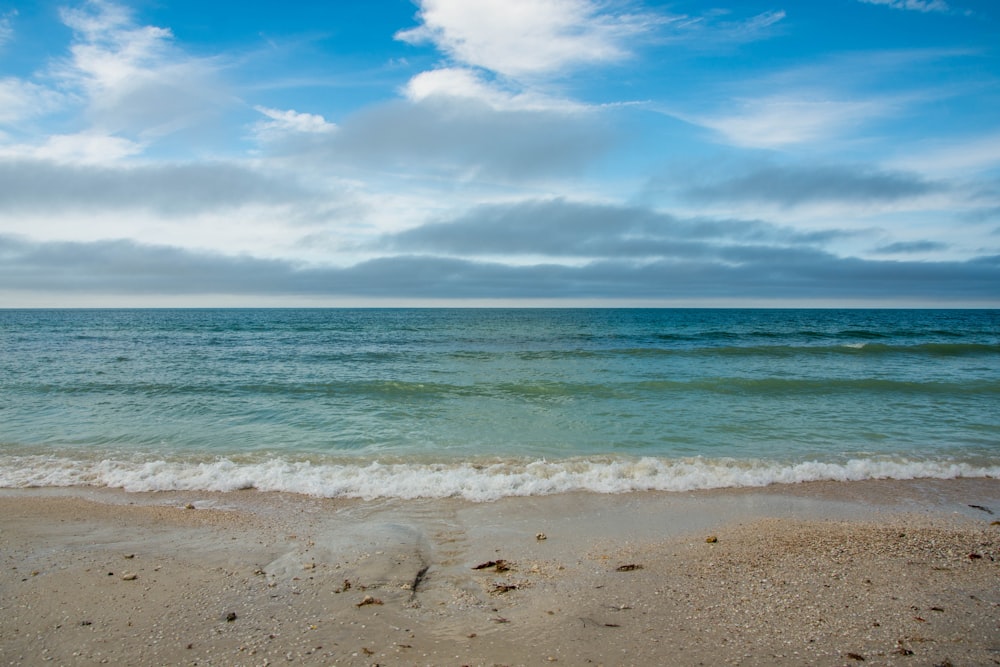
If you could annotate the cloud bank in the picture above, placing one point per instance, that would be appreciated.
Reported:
(576, 251)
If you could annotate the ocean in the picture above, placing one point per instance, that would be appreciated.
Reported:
(487, 403)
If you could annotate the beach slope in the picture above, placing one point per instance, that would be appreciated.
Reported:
(881, 572)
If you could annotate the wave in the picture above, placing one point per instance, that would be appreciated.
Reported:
(770, 387)
(852, 348)
(409, 391)
(474, 481)
(855, 348)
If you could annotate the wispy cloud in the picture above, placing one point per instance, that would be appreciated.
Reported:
(86, 147)
(913, 5)
(7, 26)
(762, 21)
(715, 29)
(977, 153)
(23, 100)
(824, 102)
(787, 120)
(121, 88)
(133, 78)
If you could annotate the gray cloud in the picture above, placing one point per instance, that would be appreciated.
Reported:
(788, 186)
(460, 136)
(904, 247)
(563, 228)
(760, 272)
(983, 214)
(183, 189)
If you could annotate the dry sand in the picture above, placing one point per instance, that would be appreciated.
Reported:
(869, 573)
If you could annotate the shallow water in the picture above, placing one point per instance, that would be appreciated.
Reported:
(488, 403)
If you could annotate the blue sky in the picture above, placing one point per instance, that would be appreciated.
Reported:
(500, 152)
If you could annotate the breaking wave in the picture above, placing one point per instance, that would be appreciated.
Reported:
(475, 481)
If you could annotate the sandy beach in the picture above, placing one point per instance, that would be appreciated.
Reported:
(874, 573)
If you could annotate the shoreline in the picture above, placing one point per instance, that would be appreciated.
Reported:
(815, 573)
(476, 479)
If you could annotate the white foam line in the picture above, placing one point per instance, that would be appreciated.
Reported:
(477, 482)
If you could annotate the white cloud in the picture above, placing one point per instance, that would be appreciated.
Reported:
(781, 121)
(282, 123)
(964, 155)
(109, 49)
(21, 99)
(82, 148)
(763, 21)
(124, 86)
(7, 27)
(914, 5)
(456, 82)
(133, 77)
(713, 28)
(519, 38)
(504, 53)
(500, 50)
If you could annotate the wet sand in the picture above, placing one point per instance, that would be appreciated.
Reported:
(881, 572)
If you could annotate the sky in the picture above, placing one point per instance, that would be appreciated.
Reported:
(500, 152)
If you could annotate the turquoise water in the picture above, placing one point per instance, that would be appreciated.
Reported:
(486, 403)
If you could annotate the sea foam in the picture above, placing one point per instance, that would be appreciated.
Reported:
(475, 481)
